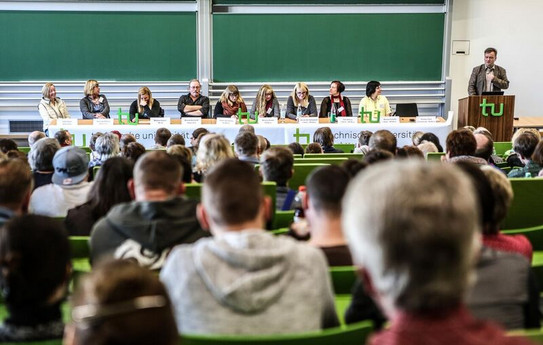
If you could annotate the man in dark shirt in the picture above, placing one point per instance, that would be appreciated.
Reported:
(15, 188)
(193, 103)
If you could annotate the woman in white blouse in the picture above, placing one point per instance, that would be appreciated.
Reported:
(51, 107)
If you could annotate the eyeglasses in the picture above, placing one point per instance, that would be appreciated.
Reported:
(194, 87)
(97, 85)
(269, 94)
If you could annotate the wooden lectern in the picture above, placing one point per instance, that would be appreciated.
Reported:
(495, 113)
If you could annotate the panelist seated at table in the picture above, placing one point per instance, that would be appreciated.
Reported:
(51, 107)
(146, 106)
(336, 102)
(266, 103)
(374, 101)
(194, 103)
(300, 100)
(229, 103)
(488, 76)
(94, 105)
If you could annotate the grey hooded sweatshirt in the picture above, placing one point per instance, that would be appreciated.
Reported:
(249, 282)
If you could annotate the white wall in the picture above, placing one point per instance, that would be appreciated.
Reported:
(515, 29)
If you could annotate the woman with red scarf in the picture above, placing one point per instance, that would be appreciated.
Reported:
(341, 104)
(229, 103)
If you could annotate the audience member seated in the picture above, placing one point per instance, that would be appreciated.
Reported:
(175, 139)
(266, 103)
(314, 148)
(325, 189)
(511, 302)
(460, 147)
(193, 103)
(409, 152)
(353, 166)
(41, 161)
(341, 105)
(246, 146)
(362, 146)
(420, 288)
(145, 106)
(263, 144)
(35, 136)
(184, 157)
(374, 101)
(502, 196)
(35, 261)
(301, 100)
(162, 136)
(121, 303)
(246, 128)
(426, 147)
(230, 103)
(245, 280)
(325, 138)
(70, 187)
(431, 137)
(296, 148)
(106, 146)
(124, 141)
(51, 107)
(64, 138)
(376, 155)
(94, 105)
(7, 145)
(194, 139)
(537, 156)
(524, 145)
(15, 188)
(485, 147)
(276, 165)
(146, 229)
(211, 149)
(383, 140)
(134, 151)
(109, 189)
(92, 141)
(416, 138)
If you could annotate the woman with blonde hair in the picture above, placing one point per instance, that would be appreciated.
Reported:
(266, 103)
(301, 100)
(229, 103)
(211, 149)
(51, 107)
(94, 105)
(146, 106)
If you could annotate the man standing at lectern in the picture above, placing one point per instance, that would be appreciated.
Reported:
(488, 76)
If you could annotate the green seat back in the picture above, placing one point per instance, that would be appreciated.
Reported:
(535, 335)
(343, 278)
(80, 248)
(95, 170)
(301, 171)
(347, 148)
(537, 268)
(25, 149)
(282, 219)
(327, 160)
(281, 231)
(359, 156)
(502, 146)
(525, 210)
(434, 156)
(349, 335)
(534, 234)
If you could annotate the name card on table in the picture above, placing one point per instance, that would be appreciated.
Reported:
(160, 121)
(221, 121)
(267, 120)
(67, 122)
(102, 122)
(191, 121)
(346, 120)
(390, 119)
(426, 119)
(308, 120)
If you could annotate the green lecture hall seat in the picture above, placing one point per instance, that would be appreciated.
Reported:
(434, 156)
(301, 171)
(526, 205)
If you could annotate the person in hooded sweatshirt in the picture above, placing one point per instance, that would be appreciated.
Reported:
(244, 280)
(157, 219)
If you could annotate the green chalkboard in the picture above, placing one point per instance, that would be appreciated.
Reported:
(97, 45)
(309, 47)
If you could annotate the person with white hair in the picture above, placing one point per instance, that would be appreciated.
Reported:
(417, 246)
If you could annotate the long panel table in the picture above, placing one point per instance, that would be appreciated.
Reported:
(282, 133)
